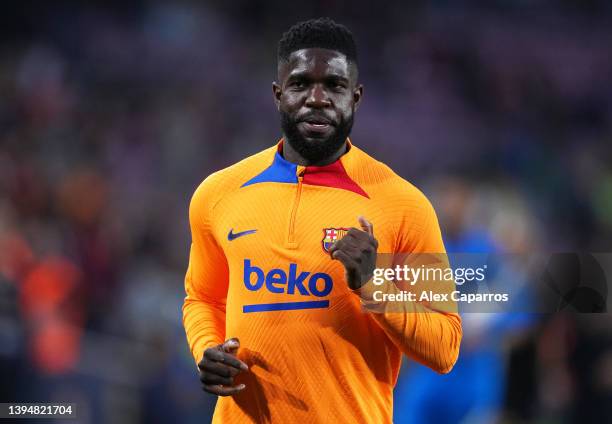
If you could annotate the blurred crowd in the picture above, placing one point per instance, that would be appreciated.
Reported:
(111, 115)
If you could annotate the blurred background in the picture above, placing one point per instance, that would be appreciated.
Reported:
(111, 114)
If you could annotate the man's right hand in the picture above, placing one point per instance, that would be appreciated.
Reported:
(218, 368)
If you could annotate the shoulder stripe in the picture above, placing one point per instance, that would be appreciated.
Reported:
(333, 175)
(280, 171)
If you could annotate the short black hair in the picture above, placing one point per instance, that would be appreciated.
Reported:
(321, 33)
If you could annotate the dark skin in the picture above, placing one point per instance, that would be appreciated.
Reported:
(313, 82)
(317, 81)
(218, 368)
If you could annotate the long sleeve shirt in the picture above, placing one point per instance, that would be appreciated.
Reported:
(259, 270)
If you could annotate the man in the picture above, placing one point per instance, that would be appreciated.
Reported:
(285, 242)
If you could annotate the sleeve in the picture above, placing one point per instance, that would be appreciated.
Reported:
(429, 333)
(206, 280)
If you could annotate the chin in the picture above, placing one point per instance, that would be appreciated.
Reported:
(317, 139)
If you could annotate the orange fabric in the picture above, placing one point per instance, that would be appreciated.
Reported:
(328, 364)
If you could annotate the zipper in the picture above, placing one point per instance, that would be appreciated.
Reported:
(291, 241)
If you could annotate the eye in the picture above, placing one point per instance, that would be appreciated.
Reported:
(297, 85)
(337, 85)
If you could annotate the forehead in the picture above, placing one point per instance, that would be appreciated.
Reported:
(316, 61)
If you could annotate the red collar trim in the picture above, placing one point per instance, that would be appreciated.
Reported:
(332, 175)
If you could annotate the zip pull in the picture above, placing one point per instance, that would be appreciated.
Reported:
(300, 171)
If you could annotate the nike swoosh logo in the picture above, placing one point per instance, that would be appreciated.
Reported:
(231, 235)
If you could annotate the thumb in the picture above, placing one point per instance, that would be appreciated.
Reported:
(366, 225)
(231, 345)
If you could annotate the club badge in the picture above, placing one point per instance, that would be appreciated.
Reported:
(331, 235)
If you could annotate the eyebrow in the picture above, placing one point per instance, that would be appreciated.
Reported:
(304, 75)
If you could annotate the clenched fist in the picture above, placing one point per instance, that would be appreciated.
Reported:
(218, 368)
(357, 252)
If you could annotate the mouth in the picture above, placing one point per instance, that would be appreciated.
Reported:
(316, 126)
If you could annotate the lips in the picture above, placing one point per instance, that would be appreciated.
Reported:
(316, 120)
(315, 125)
(315, 129)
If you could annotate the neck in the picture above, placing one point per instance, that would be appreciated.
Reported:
(292, 155)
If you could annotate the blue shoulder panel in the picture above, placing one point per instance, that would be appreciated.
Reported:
(281, 171)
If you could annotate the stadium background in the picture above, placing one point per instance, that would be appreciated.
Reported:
(111, 114)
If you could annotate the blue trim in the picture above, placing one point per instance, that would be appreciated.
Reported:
(281, 171)
(286, 306)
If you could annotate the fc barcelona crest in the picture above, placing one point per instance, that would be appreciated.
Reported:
(331, 235)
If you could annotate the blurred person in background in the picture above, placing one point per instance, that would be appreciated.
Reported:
(479, 227)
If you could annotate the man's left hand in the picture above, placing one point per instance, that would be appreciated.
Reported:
(357, 252)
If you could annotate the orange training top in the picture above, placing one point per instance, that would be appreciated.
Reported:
(259, 271)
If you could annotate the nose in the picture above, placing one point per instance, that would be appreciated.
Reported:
(317, 97)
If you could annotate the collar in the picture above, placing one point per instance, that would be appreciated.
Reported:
(334, 175)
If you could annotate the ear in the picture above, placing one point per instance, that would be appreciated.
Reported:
(357, 95)
(278, 92)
